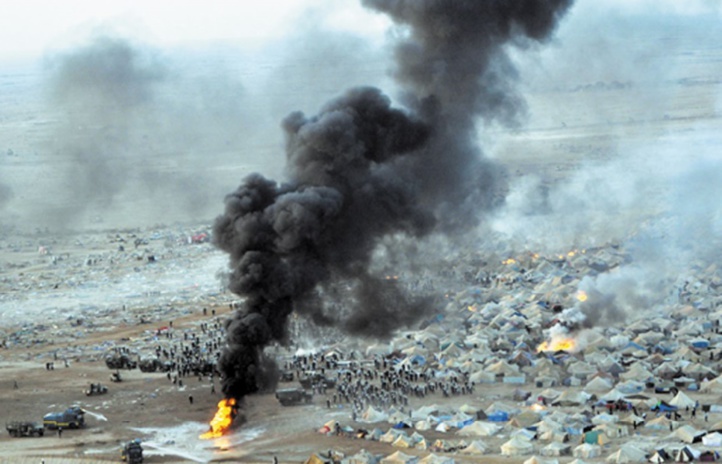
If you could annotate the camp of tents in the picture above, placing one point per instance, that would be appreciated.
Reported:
(627, 393)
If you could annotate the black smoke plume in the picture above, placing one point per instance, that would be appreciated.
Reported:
(362, 170)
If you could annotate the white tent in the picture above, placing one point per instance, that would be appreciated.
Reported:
(399, 458)
(713, 439)
(538, 460)
(712, 386)
(403, 441)
(612, 395)
(423, 425)
(516, 446)
(687, 454)
(627, 453)
(362, 457)
(587, 451)
(482, 377)
(571, 398)
(660, 423)
(686, 433)
(442, 427)
(425, 411)
(598, 384)
(681, 400)
(604, 418)
(479, 429)
(474, 448)
(372, 415)
(436, 459)
(556, 449)
(391, 435)
(613, 430)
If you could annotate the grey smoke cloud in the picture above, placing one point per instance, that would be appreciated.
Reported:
(138, 134)
(6, 194)
(640, 114)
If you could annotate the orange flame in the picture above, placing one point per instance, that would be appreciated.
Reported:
(221, 422)
(582, 296)
(557, 344)
(509, 261)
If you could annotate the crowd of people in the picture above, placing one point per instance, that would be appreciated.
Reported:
(380, 382)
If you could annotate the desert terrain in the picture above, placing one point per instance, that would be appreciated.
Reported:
(130, 276)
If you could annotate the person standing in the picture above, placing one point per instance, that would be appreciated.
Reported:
(60, 432)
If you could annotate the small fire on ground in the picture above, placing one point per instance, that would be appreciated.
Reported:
(557, 344)
(223, 419)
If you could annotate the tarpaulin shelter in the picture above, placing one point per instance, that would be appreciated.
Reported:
(498, 416)
(595, 437)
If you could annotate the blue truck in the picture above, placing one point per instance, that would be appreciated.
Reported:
(71, 418)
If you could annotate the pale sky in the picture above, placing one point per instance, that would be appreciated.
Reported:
(33, 27)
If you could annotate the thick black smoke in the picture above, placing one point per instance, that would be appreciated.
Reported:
(362, 170)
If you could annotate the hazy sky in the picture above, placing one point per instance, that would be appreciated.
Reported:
(32, 27)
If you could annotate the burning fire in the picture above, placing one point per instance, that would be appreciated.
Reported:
(509, 261)
(557, 344)
(223, 419)
(582, 295)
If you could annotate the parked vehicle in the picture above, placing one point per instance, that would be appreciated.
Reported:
(120, 361)
(291, 396)
(71, 418)
(95, 389)
(25, 429)
(132, 452)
